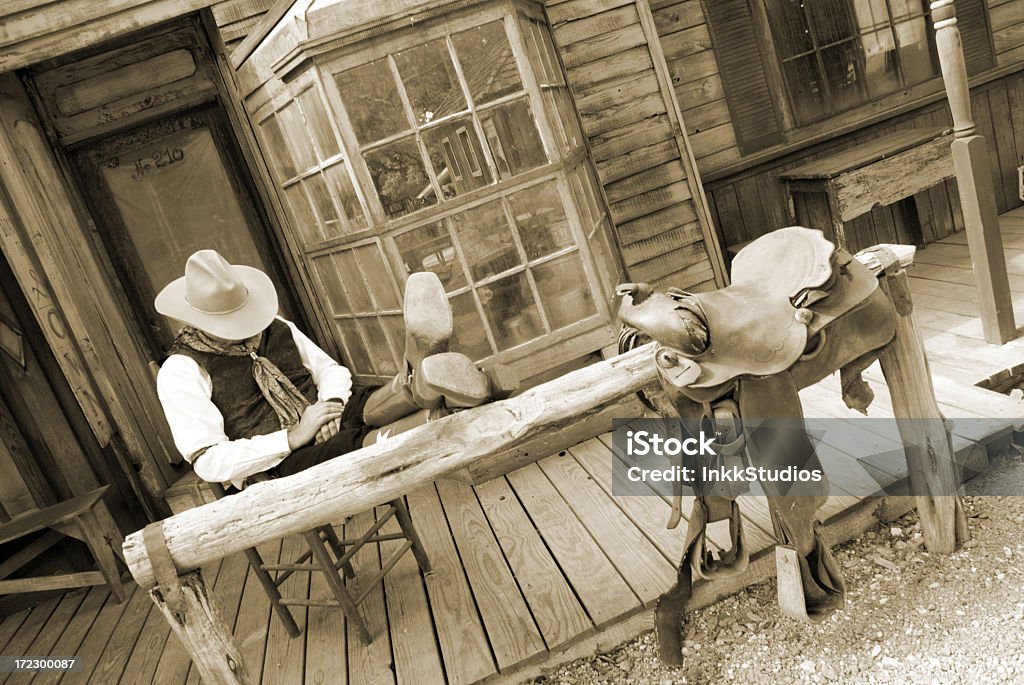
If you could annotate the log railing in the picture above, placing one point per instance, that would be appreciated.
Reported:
(164, 556)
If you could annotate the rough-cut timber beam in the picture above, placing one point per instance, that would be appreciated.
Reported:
(387, 470)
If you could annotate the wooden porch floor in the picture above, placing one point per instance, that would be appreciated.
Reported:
(533, 568)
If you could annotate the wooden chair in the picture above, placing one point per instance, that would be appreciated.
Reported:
(329, 555)
(74, 518)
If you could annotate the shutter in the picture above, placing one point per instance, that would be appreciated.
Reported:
(741, 66)
(975, 34)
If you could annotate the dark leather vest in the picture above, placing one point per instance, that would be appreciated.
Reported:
(235, 392)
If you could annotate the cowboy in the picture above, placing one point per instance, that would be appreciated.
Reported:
(246, 392)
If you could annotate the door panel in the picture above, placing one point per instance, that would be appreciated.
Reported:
(162, 191)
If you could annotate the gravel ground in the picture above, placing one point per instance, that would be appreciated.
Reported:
(910, 616)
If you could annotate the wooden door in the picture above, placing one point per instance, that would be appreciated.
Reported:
(160, 192)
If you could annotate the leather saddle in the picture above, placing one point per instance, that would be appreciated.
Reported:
(787, 286)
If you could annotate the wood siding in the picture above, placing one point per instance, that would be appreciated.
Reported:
(629, 122)
(750, 204)
(235, 19)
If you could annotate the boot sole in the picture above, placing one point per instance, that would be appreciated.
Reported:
(428, 317)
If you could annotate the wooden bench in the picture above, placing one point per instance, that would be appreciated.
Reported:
(74, 518)
(832, 190)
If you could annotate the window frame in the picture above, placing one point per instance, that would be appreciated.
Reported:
(778, 62)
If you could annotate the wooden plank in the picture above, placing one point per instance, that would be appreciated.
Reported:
(628, 138)
(98, 636)
(1006, 15)
(464, 646)
(368, 663)
(699, 92)
(693, 255)
(114, 657)
(693, 67)
(677, 16)
(71, 639)
(634, 162)
(648, 511)
(285, 656)
(561, 12)
(679, 216)
(596, 24)
(511, 630)
(413, 641)
(713, 140)
(636, 108)
(1006, 152)
(29, 630)
(615, 94)
(686, 42)
(554, 606)
(252, 624)
(44, 641)
(228, 11)
(610, 68)
(601, 589)
(705, 116)
(62, 581)
(645, 181)
(326, 646)
(9, 626)
(672, 239)
(650, 201)
(595, 47)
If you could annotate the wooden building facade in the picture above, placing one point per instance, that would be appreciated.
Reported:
(531, 153)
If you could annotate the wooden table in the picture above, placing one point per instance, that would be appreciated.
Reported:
(837, 188)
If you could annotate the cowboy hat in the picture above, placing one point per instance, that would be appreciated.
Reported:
(228, 301)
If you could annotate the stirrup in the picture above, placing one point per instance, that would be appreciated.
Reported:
(731, 561)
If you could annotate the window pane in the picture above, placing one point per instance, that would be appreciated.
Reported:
(842, 71)
(486, 240)
(377, 347)
(469, 335)
(429, 248)
(372, 102)
(540, 216)
(511, 312)
(316, 119)
(512, 136)
(560, 107)
(564, 290)
(302, 213)
(805, 88)
(905, 8)
(358, 297)
(487, 62)
(375, 273)
(832, 20)
(330, 276)
(880, 63)
(298, 137)
(430, 81)
(340, 180)
(789, 26)
(357, 361)
(394, 328)
(281, 158)
(918, 61)
(316, 188)
(458, 159)
(402, 182)
(538, 38)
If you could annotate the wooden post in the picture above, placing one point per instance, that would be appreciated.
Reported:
(186, 606)
(930, 461)
(975, 183)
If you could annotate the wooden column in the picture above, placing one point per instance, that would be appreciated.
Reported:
(930, 462)
(975, 183)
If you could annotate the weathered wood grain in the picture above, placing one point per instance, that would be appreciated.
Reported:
(554, 606)
(367, 663)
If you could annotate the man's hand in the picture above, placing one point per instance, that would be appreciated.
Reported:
(328, 430)
(315, 417)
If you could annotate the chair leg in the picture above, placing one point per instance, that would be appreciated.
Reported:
(337, 587)
(256, 562)
(339, 550)
(405, 521)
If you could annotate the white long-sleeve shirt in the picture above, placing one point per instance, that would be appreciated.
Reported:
(185, 391)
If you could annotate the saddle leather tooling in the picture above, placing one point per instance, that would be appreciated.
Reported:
(797, 310)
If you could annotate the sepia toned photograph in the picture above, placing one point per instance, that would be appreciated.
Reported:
(499, 342)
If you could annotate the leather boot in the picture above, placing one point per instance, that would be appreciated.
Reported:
(449, 378)
(428, 330)
(403, 424)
